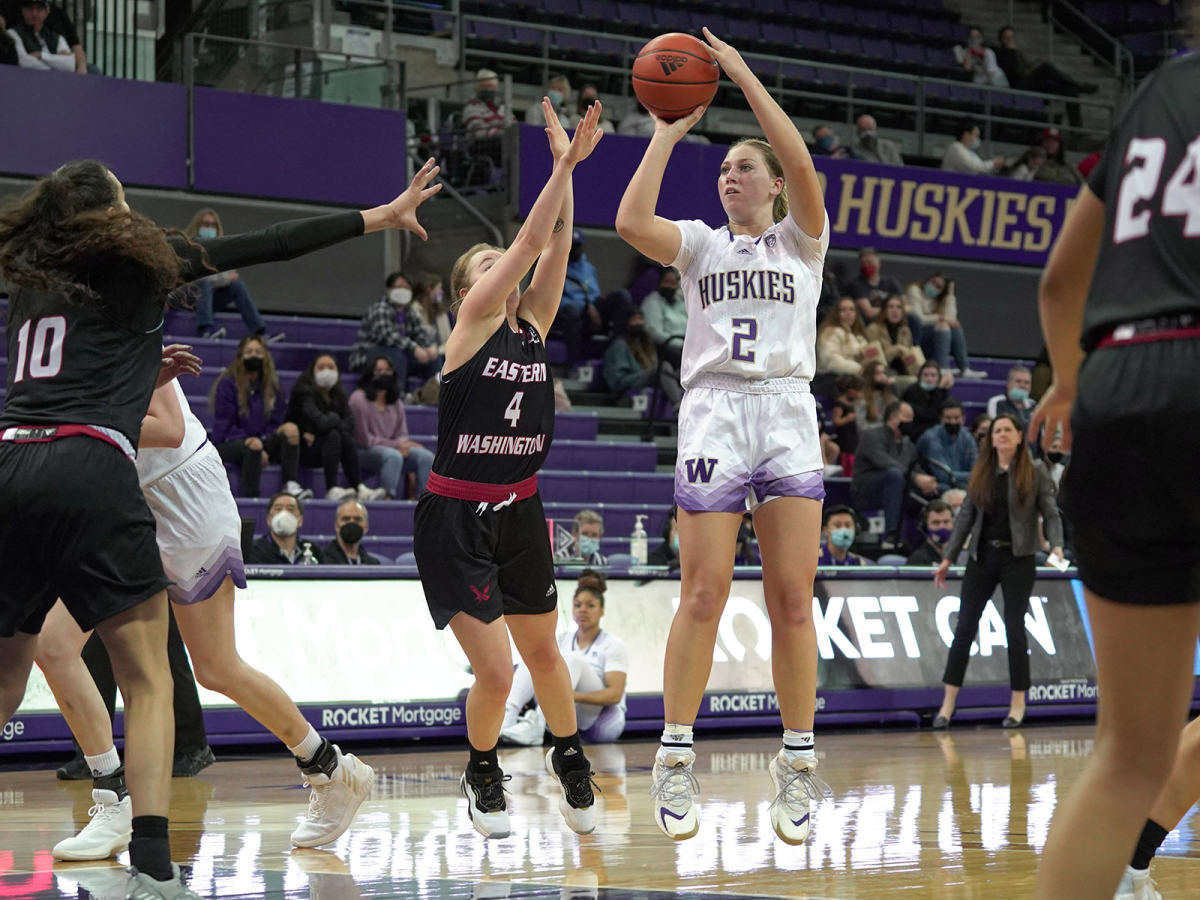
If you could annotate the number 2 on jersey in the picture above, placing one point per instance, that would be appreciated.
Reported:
(513, 411)
(749, 333)
(44, 362)
(1181, 196)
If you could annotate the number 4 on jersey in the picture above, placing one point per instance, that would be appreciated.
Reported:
(513, 411)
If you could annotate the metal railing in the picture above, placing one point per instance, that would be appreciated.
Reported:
(1102, 46)
(117, 35)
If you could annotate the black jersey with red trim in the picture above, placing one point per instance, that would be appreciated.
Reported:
(95, 361)
(496, 411)
(1149, 180)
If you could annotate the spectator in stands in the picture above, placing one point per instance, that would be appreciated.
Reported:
(934, 302)
(947, 450)
(845, 420)
(383, 331)
(423, 322)
(841, 340)
(665, 313)
(1056, 169)
(1015, 400)
(954, 497)
(637, 122)
(282, 544)
(381, 432)
(838, 530)
(631, 362)
(831, 292)
(666, 553)
(584, 309)
(891, 331)
(961, 155)
(870, 289)
(980, 427)
(8, 57)
(979, 60)
(558, 89)
(927, 396)
(1038, 75)
(248, 429)
(38, 44)
(1027, 165)
(484, 117)
(321, 410)
(217, 292)
(745, 551)
(351, 524)
(1056, 460)
(588, 94)
(57, 20)
(584, 543)
(883, 469)
(877, 394)
(937, 524)
(826, 143)
(870, 147)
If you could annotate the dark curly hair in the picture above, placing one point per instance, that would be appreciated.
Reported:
(592, 582)
(68, 226)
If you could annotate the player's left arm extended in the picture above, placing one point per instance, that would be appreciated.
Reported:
(541, 299)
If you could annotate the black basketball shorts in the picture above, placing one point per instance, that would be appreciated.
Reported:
(1132, 488)
(74, 525)
(483, 561)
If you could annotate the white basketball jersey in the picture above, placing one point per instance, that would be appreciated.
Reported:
(155, 462)
(751, 302)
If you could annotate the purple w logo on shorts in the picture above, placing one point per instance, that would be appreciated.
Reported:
(700, 469)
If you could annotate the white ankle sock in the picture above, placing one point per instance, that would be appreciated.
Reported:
(677, 736)
(104, 764)
(308, 747)
(798, 743)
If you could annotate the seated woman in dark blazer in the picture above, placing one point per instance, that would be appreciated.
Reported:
(1005, 495)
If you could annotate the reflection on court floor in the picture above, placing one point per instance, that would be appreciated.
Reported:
(963, 814)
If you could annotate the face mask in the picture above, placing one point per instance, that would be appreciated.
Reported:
(827, 143)
(972, 142)
(1018, 395)
(842, 538)
(975, 41)
(953, 428)
(931, 291)
(868, 136)
(351, 533)
(326, 378)
(940, 535)
(437, 297)
(675, 543)
(383, 382)
(588, 546)
(667, 293)
(868, 271)
(1055, 457)
(556, 98)
(486, 96)
(206, 231)
(252, 364)
(284, 523)
(399, 296)
(926, 386)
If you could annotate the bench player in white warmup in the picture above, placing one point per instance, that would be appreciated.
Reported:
(747, 430)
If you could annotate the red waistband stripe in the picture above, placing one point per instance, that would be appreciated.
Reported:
(479, 491)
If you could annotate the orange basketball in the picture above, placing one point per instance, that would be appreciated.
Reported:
(673, 74)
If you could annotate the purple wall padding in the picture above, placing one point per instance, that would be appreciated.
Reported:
(138, 128)
(297, 149)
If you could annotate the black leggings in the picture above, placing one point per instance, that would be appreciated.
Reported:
(1015, 574)
(278, 450)
(327, 451)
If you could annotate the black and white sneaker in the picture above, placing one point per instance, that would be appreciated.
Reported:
(578, 801)
(485, 802)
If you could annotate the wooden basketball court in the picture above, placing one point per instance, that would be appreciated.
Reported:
(914, 814)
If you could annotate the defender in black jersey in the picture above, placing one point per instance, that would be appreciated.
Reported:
(89, 281)
(481, 538)
(1120, 304)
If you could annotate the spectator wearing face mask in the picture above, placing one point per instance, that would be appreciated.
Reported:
(423, 318)
(871, 289)
(979, 61)
(942, 337)
(381, 432)
(382, 330)
(665, 313)
(947, 450)
(631, 362)
(980, 427)
(667, 553)
(217, 292)
(1056, 169)
(558, 89)
(282, 544)
(870, 147)
(1027, 166)
(584, 544)
(1015, 400)
(825, 143)
(839, 529)
(954, 499)
(961, 155)
(588, 94)
(484, 117)
(352, 524)
(584, 309)
(937, 523)
(883, 469)
(927, 397)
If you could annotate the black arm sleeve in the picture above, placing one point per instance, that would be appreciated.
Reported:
(275, 243)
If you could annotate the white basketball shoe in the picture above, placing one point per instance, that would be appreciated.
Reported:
(485, 802)
(106, 835)
(1136, 885)
(334, 800)
(675, 812)
(577, 803)
(796, 785)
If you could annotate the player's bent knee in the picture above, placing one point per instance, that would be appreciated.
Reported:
(703, 604)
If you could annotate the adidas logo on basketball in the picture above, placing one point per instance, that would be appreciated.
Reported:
(670, 63)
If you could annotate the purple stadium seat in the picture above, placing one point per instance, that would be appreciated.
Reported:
(801, 74)
(811, 39)
(842, 13)
(743, 30)
(941, 28)
(805, 9)
(973, 96)
(878, 49)
(764, 69)
(569, 8)
(672, 18)
(443, 23)
(530, 37)
(904, 23)
(846, 44)
(901, 87)
(612, 48)
(603, 10)
(575, 42)
(869, 82)
(636, 13)
(489, 31)
(871, 19)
